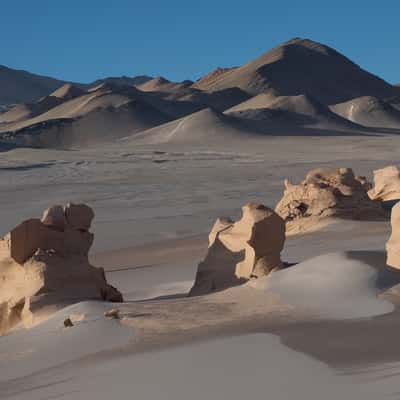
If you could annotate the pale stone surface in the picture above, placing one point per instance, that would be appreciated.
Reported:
(238, 251)
(393, 244)
(327, 193)
(386, 184)
(50, 258)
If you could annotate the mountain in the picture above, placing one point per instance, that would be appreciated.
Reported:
(25, 111)
(298, 88)
(122, 80)
(99, 115)
(210, 78)
(369, 111)
(160, 84)
(203, 127)
(302, 66)
(301, 111)
(286, 115)
(17, 86)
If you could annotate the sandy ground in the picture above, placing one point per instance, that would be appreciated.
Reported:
(314, 335)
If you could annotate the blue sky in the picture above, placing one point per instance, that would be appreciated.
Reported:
(88, 39)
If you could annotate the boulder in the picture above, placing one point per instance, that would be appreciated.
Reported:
(239, 251)
(46, 262)
(386, 184)
(393, 244)
(327, 193)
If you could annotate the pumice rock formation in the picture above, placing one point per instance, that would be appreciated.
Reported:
(239, 251)
(386, 184)
(327, 193)
(45, 262)
(393, 244)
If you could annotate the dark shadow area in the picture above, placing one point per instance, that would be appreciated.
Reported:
(217, 271)
(389, 204)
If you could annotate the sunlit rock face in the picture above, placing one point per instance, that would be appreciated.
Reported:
(386, 184)
(393, 244)
(239, 251)
(46, 262)
(327, 193)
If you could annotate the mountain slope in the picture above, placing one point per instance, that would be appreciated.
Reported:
(369, 111)
(122, 80)
(203, 127)
(97, 116)
(303, 66)
(17, 86)
(300, 111)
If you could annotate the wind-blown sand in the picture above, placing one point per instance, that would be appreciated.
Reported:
(154, 207)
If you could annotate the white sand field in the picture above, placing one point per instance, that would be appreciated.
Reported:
(325, 328)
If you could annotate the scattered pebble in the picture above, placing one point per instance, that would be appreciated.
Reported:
(68, 323)
(114, 313)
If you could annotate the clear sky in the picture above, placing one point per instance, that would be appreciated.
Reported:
(183, 39)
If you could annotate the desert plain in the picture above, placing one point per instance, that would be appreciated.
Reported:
(325, 326)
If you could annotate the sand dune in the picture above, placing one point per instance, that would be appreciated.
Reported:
(97, 126)
(260, 101)
(369, 111)
(25, 111)
(203, 125)
(17, 113)
(183, 93)
(296, 115)
(337, 285)
(102, 114)
(303, 66)
(67, 92)
(160, 84)
(284, 92)
(301, 110)
(207, 80)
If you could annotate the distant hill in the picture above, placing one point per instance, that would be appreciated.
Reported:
(122, 80)
(302, 66)
(369, 111)
(17, 86)
(300, 87)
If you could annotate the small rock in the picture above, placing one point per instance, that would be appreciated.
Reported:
(68, 323)
(113, 313)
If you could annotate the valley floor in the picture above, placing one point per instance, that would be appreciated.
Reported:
(154, 207)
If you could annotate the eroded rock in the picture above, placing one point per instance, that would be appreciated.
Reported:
(327, 193)
(46, 262)
(393, 244)
(386, 184)
(239, 251)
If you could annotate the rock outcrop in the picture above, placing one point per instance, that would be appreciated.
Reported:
(393, 244)
(239, 251)
(386, 184)
(327, 193)
(46, 262)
